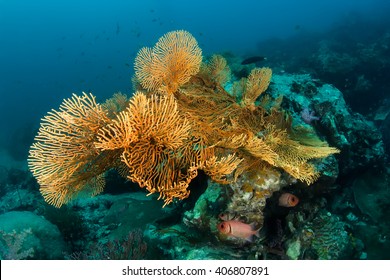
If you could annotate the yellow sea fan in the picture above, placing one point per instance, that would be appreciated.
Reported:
(217, 69)
(63, 158)
(304, 172)
(293, 157)
(171, 63)
(257, 82)
(157, 146)
(147, 76)
(260, 149)
(185, 121)
(154, 118)
(117, 103)
(157, 119)
(233, 141)
(220, 168)
(117, 134)
(238, 88)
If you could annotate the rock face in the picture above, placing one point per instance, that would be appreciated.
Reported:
(26, 235)
(385, 129)
(129, 212)
(337, 123)
(324, 238)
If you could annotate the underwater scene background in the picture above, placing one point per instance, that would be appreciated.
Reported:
(196, 130)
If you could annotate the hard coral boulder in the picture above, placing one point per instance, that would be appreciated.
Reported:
(26, 235)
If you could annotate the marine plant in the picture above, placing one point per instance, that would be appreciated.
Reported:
(180, 120)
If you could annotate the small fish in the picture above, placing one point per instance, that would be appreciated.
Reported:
(288, 200)
(253, 59)
(238, 229)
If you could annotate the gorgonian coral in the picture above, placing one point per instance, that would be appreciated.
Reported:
(181, 120)
(63, 158)
(170, 63)
(154, 139)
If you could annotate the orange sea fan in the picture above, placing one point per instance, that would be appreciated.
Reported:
(180, 119)
(157, 145)
(220, 168)
(117, 103)
(256, 83)
(148, 118)
(146, 75)
(117, 134)
(216, 69)
(293, 157)
(158, 119)
(170, 64)
(63, 158)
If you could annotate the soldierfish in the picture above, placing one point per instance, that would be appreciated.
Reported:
(238, 229)
(288, 200)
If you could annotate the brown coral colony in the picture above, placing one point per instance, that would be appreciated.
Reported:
(180, 120)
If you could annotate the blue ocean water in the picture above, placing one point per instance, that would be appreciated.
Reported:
(51, 49)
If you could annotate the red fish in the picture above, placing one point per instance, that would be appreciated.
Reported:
(238, 229)
(288, 200)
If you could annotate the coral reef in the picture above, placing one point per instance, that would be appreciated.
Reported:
(291, 157)
(250, 193)
(181, 121)
(258, 137)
